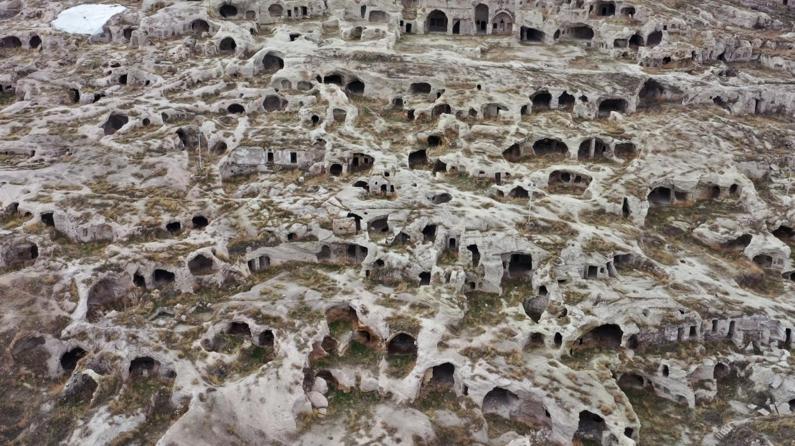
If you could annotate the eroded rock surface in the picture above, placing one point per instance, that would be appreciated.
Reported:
(416, 222)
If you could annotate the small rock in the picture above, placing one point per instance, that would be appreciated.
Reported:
(320, 385)
(345, 379)
(318, 400)
(369, 384)
(343, 226)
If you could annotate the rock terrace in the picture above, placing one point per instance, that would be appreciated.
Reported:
(423, 222)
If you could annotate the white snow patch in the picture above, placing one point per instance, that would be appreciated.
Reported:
(85, 19)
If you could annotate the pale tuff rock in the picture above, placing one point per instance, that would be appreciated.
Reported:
(416, 222)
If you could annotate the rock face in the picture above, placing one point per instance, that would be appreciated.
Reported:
(416, 222)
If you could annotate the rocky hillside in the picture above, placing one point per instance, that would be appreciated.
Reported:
(425, 222)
